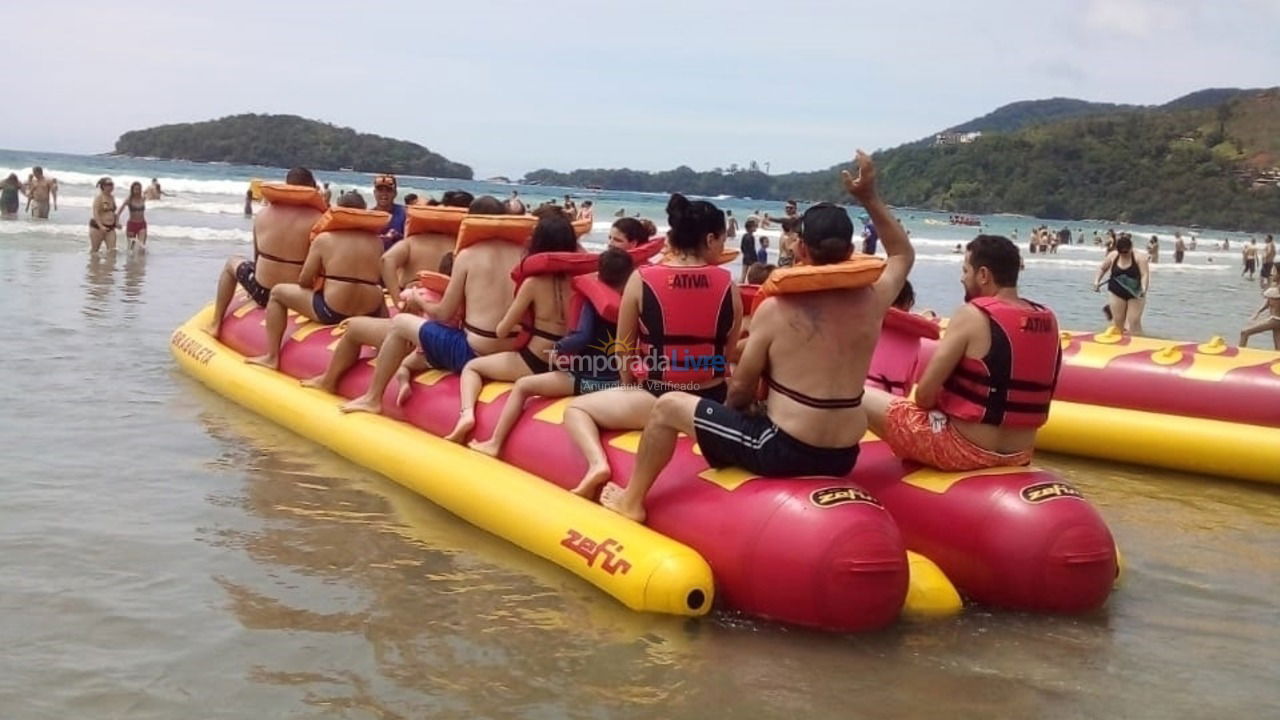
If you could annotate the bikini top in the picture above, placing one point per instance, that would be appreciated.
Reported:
(813, 402)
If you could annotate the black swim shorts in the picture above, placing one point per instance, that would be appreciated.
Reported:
(245, 276)
(728, 437)
(719, 393)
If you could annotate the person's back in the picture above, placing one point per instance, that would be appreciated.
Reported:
(820, 347)
(485, 269)
(352, 261)
(282, 234)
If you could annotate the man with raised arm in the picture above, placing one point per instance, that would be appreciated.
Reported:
(988, 386)
(812, 349)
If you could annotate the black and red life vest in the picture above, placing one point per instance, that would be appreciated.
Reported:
(1012, 384)
(686, 315)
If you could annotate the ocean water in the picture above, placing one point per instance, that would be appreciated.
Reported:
(168, 554)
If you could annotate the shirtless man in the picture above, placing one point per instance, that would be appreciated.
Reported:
(1250, 255)
(348, 262)
(587, 211)
(153, 191)
(481, 286)
(420, 251)
(515, 206)
(281, 235)
(812, 349)
(988, 386)
(1270, 306)
(39, 191)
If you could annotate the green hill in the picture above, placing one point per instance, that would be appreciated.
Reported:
(1208, 158)
(286, 141)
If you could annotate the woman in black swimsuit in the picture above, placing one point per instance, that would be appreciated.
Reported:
(1128, 283)
(546, 298)
(102, 219)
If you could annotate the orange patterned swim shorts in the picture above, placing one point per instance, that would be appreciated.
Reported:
(928, 437)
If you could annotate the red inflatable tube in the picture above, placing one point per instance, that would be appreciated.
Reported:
(820, 552)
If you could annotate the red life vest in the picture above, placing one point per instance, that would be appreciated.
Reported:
(589, 288)
(1012, 385)
(896, 358)
(686, 314)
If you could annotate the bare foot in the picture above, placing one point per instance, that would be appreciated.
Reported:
(364, 403)
(466, 422)
(488, 447)
(615, 498)
(591, 481)
(404, 381)
(266, 361)
(318, 383)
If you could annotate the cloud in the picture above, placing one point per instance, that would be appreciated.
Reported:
(1138, 19)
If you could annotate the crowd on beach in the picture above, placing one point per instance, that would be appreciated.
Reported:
(781, 387)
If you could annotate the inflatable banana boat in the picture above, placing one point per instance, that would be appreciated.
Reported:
(828, 553)
(1196, 407)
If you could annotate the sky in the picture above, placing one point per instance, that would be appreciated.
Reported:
(509, 87)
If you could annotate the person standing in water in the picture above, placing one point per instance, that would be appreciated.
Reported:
(1179, 248)
(136, 229)
(40, 190)
(1250, 255)
(10, 189)
(1153, 250)
(102, 220)
(1128, 283)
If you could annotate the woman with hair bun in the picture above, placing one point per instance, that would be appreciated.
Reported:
(675, 323)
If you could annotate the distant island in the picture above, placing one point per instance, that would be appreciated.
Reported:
(287, 141)
(1209, 158)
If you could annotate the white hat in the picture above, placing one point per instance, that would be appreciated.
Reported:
(1271, 292)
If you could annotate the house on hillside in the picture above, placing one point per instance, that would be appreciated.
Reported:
(956, 138)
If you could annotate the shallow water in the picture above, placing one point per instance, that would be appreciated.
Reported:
(169, 554)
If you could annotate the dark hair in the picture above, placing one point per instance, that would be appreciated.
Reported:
(446, 263)
(411, 198)
(649, 228)
(487, 205)
(997, 254)
(758, 272)
(906, 297)
(615, 268)
(457, 198)
(752, 224)
(633, 229)
(300, 176)
(587, 202)
(132, 185)
(547, 209)
(691, 222)
(1124, 243)
(827, 232)
(352, 199)
(553, 233)
(103, 182)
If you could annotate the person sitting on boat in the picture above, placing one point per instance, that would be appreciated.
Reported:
(988, 386)
(481, 287)
(686, 314)
(1127, 284)
(1270, 306)
(812, 349)
(587, 351)
(627, 233)
(342, 265)
(281, 234)
(419, 251)
(384, 197)
(546, 298)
